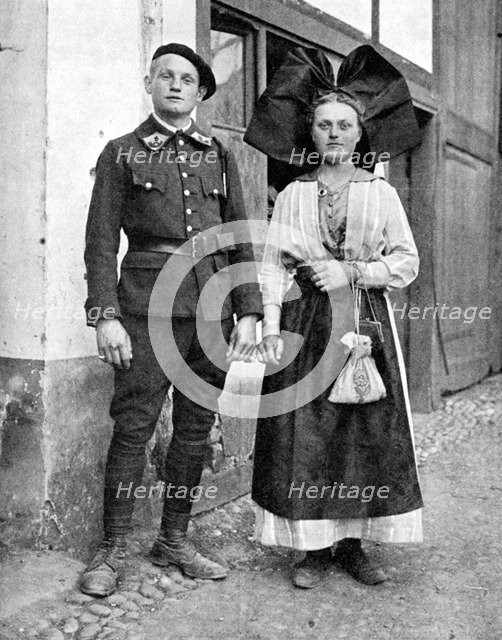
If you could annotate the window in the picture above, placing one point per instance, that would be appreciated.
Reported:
(357, 13)
(406, 28)
(402, 26)
(228, 64)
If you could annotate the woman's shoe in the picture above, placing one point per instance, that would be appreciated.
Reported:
(310, 572)
(350, 557)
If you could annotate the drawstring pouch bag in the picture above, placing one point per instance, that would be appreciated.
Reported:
(359, 381)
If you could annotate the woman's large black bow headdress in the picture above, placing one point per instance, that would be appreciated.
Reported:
(279, 122)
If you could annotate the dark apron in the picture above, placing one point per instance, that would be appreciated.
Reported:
(357, 446)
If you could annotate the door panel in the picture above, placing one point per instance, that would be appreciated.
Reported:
(463, 275)
(468, 64)
(464, 251)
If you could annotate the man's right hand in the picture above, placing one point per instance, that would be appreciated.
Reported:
(114, 343)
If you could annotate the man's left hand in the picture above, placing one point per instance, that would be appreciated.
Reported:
(243, 340)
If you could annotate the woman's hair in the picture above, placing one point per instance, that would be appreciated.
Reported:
(337, 95)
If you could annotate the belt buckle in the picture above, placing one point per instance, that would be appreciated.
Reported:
(195, 248)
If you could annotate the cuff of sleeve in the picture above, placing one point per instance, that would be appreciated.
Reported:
(271, 329)
(256, 311)
(271, 299)
(249, 304)
(351, 272)
(93, 313)
(373, 274)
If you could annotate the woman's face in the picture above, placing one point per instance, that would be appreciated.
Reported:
(335, 132)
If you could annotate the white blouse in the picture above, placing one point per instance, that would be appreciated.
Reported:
(378, 239)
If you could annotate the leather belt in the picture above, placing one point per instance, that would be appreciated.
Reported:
(196, 247)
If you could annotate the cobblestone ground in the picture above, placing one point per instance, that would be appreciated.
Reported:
(444, 589)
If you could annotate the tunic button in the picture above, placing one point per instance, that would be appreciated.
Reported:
(148, 185)
(186, 192)
(189, 228)
(188, 211)
(215, 190)
(181, 143)
(184, 174)
(180, 159)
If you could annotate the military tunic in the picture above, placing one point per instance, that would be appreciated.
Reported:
(154, 183)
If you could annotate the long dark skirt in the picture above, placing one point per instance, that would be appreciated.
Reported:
(325, 460)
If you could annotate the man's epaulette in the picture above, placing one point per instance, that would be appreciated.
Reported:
(223, 149)
(200, 138)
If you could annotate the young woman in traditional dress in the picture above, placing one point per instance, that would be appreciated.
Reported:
(325, 473)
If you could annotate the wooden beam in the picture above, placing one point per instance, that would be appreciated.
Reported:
(203, 28)
(375, 21)
(261, 61)
(423, 98)
(203, 48)
(474, 140)
(422, 215)
(496, 219)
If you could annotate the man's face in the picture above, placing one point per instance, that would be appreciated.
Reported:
(173, 84)
(335, 131)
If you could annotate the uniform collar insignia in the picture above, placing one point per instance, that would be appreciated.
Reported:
(155, 140)
(154, 135)
(200, 138)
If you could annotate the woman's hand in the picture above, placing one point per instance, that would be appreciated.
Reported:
(270, 349)
(329, 275)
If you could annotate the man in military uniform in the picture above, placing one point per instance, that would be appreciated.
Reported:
(148, 185)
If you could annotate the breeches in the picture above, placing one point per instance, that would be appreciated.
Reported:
(139, 396)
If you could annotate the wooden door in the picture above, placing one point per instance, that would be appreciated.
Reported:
(464, 192)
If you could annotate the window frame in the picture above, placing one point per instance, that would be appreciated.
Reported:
(228, 23)
(308, 25)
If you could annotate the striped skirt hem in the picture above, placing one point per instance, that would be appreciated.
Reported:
(309, 535)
